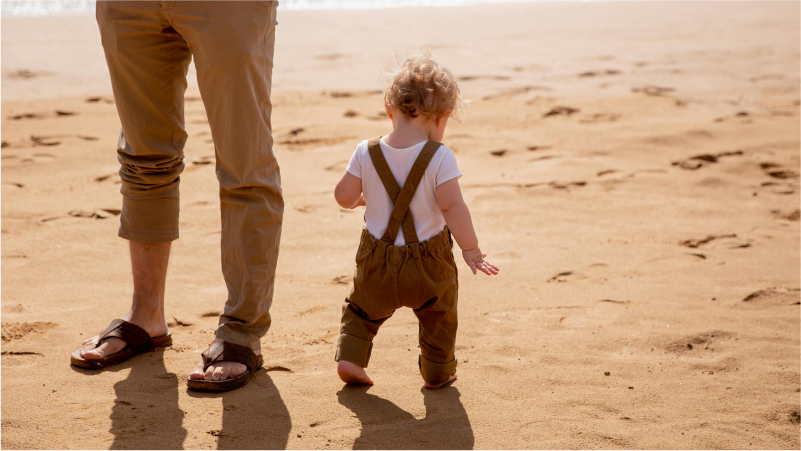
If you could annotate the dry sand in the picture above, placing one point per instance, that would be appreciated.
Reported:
(631, 167)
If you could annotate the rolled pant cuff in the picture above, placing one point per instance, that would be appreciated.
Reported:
(149, 220)
(436, 373)
(147, 237)
(237, 337)
(354, 349)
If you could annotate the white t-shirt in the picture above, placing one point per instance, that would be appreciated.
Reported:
(428, 219)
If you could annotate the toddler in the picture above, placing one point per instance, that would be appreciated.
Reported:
(408, 183)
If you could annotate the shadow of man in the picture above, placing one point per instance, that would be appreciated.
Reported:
(254, 416)
(387, 426)
(146, 414)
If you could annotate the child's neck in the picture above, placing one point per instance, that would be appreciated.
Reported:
(405, 134)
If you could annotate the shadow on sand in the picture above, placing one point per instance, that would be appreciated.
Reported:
(254, 416)
(146, 414)
(387, 426)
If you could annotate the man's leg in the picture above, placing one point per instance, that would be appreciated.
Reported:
(149, 266)
(232, 43)
(147, 62)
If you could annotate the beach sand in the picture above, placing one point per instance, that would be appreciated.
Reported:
(633, 168)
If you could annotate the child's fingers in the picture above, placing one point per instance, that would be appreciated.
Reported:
(472, 267)
(488, 268)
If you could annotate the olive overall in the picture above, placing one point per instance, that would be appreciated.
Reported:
(421, 276)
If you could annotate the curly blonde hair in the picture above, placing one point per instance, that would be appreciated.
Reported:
(420, 86)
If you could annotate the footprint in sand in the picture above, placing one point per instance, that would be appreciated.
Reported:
(566, 185)
(543, 158)
(26, 74)
(566, 276)
(314, 309)
(484, 77)
(698, 161)
(599, 118)
(499, 152)
(515, 92)
(778, 187)
(21, 358)
(350, 113)
(203, 161)
(341, 280)
(561, 111)
(16, 331)
(730, 241)
(112, 177)
(100, 99)
(100, 213)
(789, 216)
(696, 342)
(536, 148)
(57, 113)
(597, 73)
(776, 170)
(774, 296)
(744, 117)
(653, 90)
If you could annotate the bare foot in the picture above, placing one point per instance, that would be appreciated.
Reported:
(219, 371)
(152, 324)
(432, 387)
(350, 373)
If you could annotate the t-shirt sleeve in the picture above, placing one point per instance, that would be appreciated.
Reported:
(355, 164)
(448, 169)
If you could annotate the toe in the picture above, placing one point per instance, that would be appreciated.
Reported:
(209, 372)
(197, 373)
(225, 373)
(107, 348)
(217, 375)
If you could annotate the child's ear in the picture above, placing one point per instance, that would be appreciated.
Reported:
(388, 110)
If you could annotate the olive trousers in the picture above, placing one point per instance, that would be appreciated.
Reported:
(421, 276)
(148, 46)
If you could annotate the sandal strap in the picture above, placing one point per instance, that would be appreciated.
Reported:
(223, 351)
(134, 336)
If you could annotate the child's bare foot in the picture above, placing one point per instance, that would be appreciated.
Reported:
(432, 387)
(350, 373)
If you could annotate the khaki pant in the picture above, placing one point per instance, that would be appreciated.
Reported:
(421, 276)
(148, 47)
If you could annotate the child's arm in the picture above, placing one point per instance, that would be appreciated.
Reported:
(348, 192)
(457, 216)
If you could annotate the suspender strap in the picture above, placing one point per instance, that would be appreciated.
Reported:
(401, 197)
(381, 166)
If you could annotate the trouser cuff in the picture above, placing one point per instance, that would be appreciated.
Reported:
(354, 349)
(149, 220)
(436, 373)
(239, 337)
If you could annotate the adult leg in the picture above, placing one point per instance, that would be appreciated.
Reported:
(147, 62)
(232, 43)
(149, 267)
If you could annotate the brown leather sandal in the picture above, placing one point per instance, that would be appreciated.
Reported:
(136, 339)
(223, 351)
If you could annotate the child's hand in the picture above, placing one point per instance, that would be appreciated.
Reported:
(475, 259)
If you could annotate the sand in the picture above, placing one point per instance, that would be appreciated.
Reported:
(633, 168)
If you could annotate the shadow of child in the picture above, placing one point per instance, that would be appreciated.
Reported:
(146, 414)
(387, 426)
